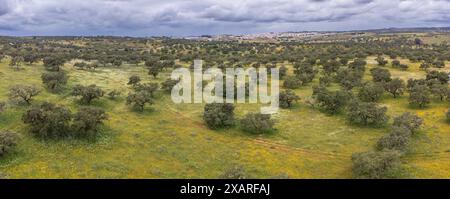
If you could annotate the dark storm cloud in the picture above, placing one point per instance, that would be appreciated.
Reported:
(4, 7)
(3, 11)
(181, 17)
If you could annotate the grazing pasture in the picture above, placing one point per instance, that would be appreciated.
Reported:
(168, 140)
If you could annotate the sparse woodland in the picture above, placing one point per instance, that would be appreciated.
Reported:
(370, 106)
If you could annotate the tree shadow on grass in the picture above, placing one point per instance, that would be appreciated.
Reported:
(145, 112)
(103, 136)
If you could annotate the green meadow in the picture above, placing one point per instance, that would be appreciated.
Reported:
(170, 140)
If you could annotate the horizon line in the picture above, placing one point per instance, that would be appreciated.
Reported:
(398, 29)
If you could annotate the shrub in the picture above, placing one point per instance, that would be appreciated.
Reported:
(86, 121)
(80, 65)
(395, 63)
(448, 116)
(414, 82)
(139, 99)
(2, 107)
(396, 87)
(438, 89)
(439, 64)
(8, 141)
(409, 120)
(257, 123)
(116, 62)
(380, 74)
(304, 72)
(154, 70)
(419, 95)
(16, 62)
(287, 98)
(219, 115)
(367, 113)
(381, 61)
(358, 65)
(54, 81)
(349, 78)
(23, 93)
(331, 66)
(448, 95)
(48, 120)
(51, 121)
(148, 88)
(292, 82)
(397, 139)
(325, 80)
(371, 92)
(376, 165)
(403, 66)
(442, 77)
(168, 85)
(133, 80)
(343, 60)
(331, 101)
(283, 72)
(53, 63)
(114, 94)
(424, 66)
(88, 93)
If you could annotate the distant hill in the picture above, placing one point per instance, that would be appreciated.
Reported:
(405, 30)
(306, 34)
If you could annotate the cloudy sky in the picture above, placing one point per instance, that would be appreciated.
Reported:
(196, 17)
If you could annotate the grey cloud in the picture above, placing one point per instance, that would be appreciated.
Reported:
(4, 7)
(287, 11)
(180, 17)
(3, 11)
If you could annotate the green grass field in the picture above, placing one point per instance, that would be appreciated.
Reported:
(170, 140)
